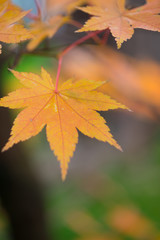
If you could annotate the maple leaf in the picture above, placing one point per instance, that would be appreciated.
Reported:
(121, 22)
(10, 30)
(71, 108)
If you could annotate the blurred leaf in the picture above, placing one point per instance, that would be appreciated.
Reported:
(131, 223)
(135, 83)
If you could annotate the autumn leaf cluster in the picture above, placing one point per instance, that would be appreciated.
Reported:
(73, 105)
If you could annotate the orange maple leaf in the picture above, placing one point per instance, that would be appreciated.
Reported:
(71, 108)
(10, 30)
(112, 14)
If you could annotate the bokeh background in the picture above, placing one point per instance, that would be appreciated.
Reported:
(108, 195)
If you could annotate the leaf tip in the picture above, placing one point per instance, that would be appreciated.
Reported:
(8, 145)
(119, 42)
(11, 70)
(119, 45)
(64, 169)
(79, 30)
(4, 149)
(64, 174)
(119, 147)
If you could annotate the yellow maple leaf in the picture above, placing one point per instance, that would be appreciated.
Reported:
(71, 108)
(121, 22)
(10, 30)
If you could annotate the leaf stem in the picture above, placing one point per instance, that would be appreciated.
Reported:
(69, 48)
(78, 42)
(37, 16)
(32, 16)
(38, 7)
(79, 25)
(105, 36)
(58, 74)
(75, 23)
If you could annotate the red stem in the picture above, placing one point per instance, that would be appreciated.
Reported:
(66, 50)
(75, 23)
(58, 74)
(105, 36)
(32, 16)
(78, 42)
(79, 25)
(38, 7)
